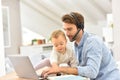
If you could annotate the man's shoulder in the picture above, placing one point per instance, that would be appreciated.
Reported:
(93, 37)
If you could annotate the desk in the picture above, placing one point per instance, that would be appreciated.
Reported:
(13, 76)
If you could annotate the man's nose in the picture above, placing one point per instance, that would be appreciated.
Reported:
(67, 32)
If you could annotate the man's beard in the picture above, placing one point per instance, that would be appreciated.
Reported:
(70, 37)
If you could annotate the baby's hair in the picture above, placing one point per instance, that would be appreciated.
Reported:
(57, 33)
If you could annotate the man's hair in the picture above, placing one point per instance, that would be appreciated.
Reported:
(74, 18)
(57, 33)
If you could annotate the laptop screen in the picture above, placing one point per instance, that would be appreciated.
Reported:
(23, 66)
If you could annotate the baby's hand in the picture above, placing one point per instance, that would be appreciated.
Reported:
(39, 71)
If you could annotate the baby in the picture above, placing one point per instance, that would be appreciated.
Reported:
(62, 55)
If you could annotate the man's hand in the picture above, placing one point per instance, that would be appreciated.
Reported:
(50, 70)
(39, 71)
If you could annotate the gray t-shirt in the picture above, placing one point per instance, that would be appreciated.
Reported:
(68, 57)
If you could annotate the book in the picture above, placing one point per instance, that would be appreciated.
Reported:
(67, 77)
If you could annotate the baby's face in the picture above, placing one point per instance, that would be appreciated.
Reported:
(59, 44)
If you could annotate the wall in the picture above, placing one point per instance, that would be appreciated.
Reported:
(95, 28)
(38, 22)
(15, 26)
(116, 28)
(2, 60)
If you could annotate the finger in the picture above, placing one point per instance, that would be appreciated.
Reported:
(42, 74)
(45, 75)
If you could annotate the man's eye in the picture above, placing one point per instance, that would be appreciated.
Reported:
(61, 43)
(69, 29)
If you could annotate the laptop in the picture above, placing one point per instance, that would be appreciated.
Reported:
(23, 67)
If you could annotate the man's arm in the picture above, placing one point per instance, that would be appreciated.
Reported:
(68, 70)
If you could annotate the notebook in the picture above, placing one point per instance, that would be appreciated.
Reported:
(23, 67)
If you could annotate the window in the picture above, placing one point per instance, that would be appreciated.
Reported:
(6, 26)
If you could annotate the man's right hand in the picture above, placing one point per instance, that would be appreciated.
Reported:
(50, 70)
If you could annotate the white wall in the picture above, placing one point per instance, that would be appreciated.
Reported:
(2, 60)
(15, 26)
(116, 28)
(95, 28)
(36, 21)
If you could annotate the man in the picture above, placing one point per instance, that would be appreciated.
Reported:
(95, 59)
